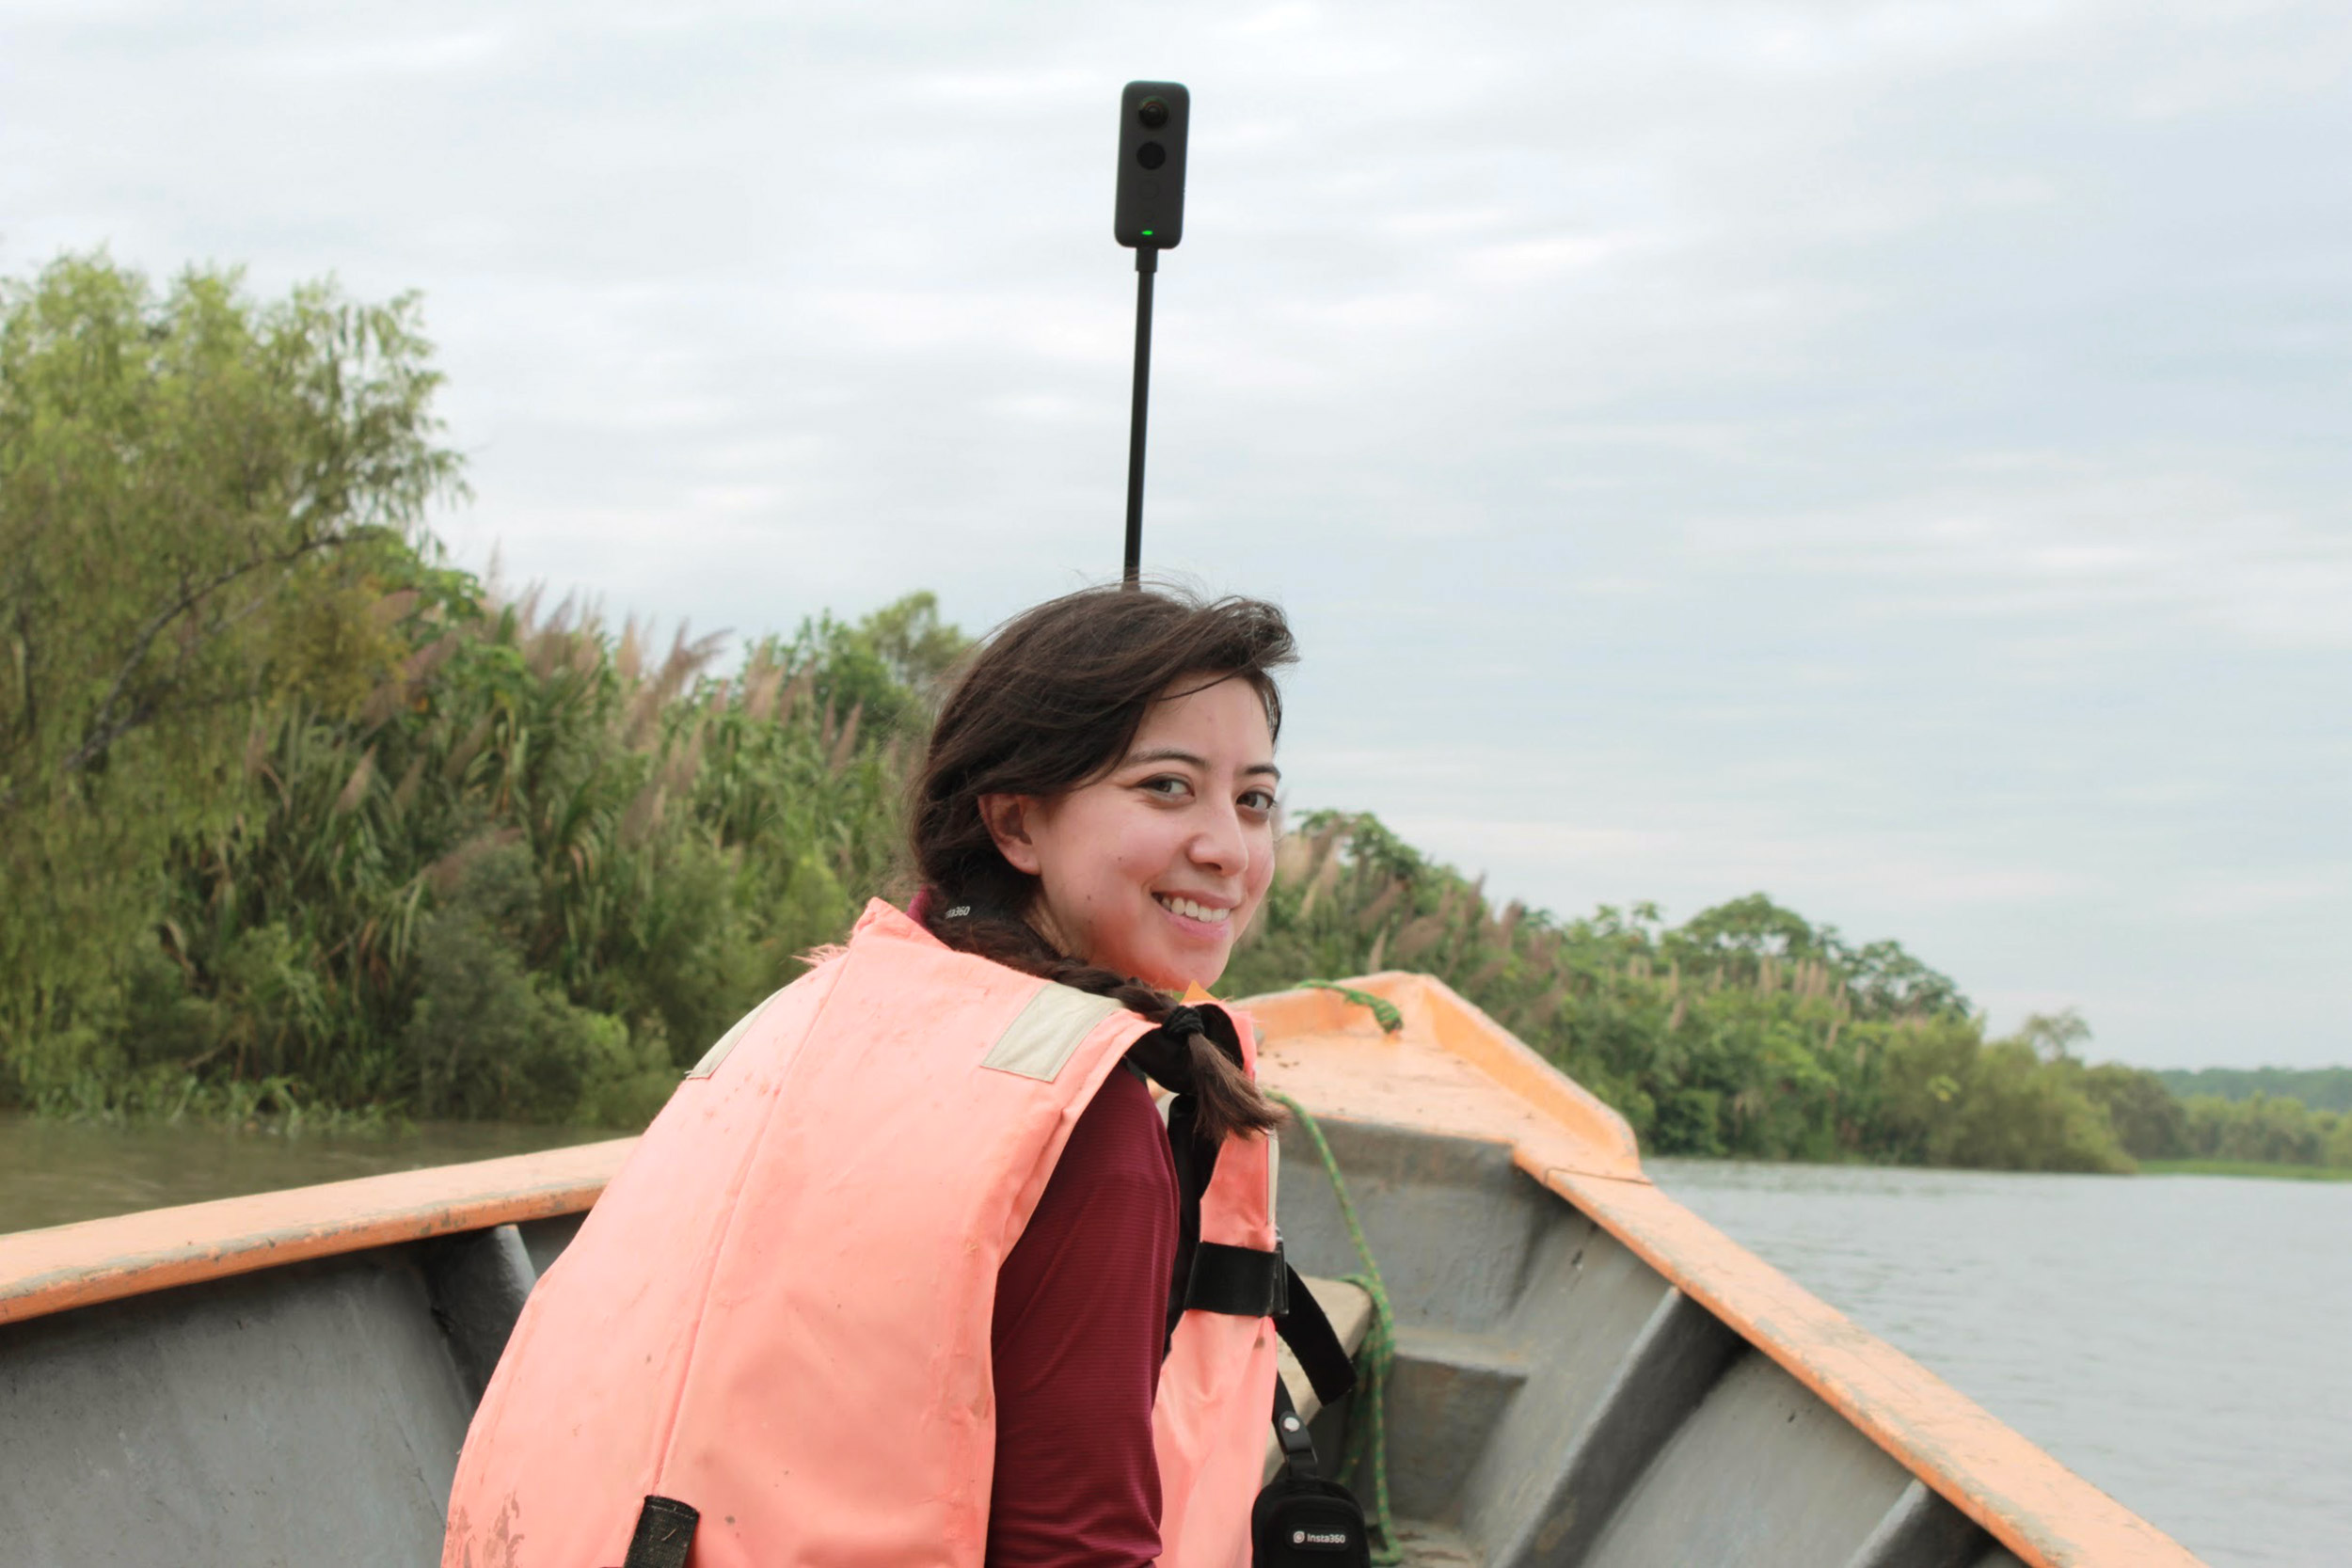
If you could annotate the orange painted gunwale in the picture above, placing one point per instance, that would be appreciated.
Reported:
(1335, 1061)
(66, 1266)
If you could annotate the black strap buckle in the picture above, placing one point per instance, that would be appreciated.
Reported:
(1289, 1431)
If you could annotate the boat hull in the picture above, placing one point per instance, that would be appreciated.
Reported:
(1586, 1373)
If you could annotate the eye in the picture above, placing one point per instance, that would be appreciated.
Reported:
(1168, 787)
(1260, 801)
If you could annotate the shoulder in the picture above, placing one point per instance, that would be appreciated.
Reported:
(1120, 1136)
(1100, 1246)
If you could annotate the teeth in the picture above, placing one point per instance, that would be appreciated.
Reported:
(1198, 912)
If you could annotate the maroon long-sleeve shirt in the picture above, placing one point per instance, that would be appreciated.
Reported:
(1081, 1321)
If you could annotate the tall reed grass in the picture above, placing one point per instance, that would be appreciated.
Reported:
(533, 872)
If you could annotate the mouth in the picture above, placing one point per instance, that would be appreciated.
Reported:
(1192, 908)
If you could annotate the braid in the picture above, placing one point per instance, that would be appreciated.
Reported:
(1226, 1101)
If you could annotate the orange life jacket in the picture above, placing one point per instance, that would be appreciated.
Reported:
(778, 1313)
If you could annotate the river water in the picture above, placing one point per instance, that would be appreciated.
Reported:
(2184, 1342)
(52, 1173)
(2180, 1341)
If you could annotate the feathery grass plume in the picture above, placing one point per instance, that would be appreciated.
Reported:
(761, 680)
(628, 658)
(1323, 869)
(688, 658)
(844, 744)
(1293, 858)
(404, 794)
(461, 756)
(1419, 936)
(796, 692)
(1376, 914)
(356, 790)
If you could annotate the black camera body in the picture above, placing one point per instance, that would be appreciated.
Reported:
(1152, 119)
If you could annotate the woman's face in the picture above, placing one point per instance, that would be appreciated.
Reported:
(1155, 868)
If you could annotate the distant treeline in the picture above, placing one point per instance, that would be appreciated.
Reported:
(1748, 1031)
(2321, 1088)
(296, 822)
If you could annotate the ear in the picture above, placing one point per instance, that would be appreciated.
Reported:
(1008, 820)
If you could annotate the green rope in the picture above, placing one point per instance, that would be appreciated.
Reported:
(1382, 1008)
(1367, 1430)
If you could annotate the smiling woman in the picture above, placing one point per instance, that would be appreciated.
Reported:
(929, 1178)
(1097, 805)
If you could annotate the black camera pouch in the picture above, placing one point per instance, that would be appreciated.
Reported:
(1300, 1520)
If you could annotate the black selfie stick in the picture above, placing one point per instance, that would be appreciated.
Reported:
(1147, 263)
(1150, 216)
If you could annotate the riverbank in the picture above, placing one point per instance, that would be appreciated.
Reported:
(2244, 1168)
(58, 1172)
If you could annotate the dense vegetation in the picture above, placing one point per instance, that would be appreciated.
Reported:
(2322, 1088)
(297, 821)
(292, 818)
(1749, 1030)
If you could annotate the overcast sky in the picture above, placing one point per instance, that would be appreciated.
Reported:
(1892, 456)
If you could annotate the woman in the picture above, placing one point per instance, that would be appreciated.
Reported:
(889, 1280)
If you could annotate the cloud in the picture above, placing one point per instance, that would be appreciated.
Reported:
(1891, 454)
(2043, 541)
(1547, 258)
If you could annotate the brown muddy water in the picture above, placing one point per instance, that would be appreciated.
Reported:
(53, 1173)
(2179, 1340)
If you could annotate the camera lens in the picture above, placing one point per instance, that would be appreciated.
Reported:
(1152, 112)
(1150, 154)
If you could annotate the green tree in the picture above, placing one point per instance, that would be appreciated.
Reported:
(2267, 1128)
(2148, 1122)
(888, 668)
(198, 493)
(2055, 1036)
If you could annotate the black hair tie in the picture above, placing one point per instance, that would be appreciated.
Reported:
(1164, 1055)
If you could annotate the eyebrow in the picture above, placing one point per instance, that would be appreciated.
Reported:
(1170, 754)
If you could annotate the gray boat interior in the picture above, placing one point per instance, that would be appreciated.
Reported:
(1554, 1400)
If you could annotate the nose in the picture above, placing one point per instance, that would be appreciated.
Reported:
(1222, 843)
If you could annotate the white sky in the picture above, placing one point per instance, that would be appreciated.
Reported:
(1893, 456)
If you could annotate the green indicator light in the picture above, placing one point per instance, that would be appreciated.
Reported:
(1147, 233)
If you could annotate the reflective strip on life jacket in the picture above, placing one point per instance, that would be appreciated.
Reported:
(778, 1312)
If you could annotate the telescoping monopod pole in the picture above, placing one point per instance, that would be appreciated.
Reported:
(1147, 263)
(1149, 217)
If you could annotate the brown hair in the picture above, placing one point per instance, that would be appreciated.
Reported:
(1050, 702)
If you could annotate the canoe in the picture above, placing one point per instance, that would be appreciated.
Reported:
(1584, 1371)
